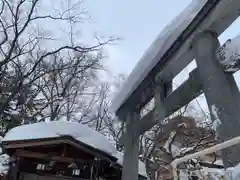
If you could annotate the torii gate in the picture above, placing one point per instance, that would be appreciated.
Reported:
(192, 35)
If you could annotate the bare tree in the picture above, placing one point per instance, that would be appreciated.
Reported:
(42, 75)
(102, 118)
(65, 90)
(179, 136)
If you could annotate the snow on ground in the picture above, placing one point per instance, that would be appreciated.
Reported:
(80, 132)
(157, 50)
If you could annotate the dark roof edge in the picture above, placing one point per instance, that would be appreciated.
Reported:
(63, 138)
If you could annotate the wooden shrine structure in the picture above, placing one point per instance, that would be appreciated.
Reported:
(60, 158)
(192, 35)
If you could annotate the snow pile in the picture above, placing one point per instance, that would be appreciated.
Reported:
(80, 132)
(229, 54)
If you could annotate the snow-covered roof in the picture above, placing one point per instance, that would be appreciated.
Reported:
(53, 129)
(79, 132)
(156, 51)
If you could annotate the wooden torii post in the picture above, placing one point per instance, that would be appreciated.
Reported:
(193, 34)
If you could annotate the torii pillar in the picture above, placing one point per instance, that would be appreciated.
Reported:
(131, 146)
(221, 93)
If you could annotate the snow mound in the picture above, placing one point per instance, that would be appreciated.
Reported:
(53, 129)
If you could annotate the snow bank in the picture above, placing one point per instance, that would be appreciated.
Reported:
(80, 132)
(157, 50)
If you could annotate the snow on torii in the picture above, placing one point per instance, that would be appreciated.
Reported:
(156, 51)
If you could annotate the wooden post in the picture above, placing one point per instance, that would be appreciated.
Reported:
(131, 144)
(13, 173)
(221, 93)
